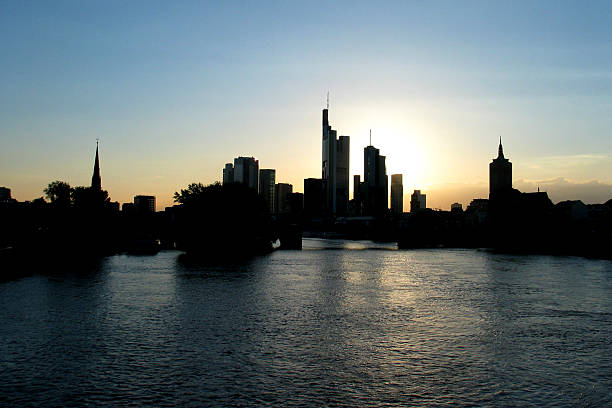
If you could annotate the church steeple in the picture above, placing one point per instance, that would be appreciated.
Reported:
(500, 150)
(96, 181)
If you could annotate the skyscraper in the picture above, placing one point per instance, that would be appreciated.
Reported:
(267, 180)
(282, 197)
(342, 174)
(397, 194)
(246, 171)
(335, 168)
(228, 173)
(418, 201)
(375, 182)
(96, 180)
(500, 173)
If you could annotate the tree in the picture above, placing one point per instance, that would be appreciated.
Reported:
(192, 193)
(88, 198)
(58, 192)
(222, 220)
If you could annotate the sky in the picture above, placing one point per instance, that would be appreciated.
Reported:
(174, 90)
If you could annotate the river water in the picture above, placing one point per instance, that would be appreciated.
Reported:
(337, 324)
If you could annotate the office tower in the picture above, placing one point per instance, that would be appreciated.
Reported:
(314, 197)
(335, 168)
(418, 201)
(375, 181)
(96, 180)
(397, 194)
(144, 203)
(342, 174)
(500, 173)
(357, 187)
(282, 192)
(267, 180)
(246, 171)
(5, 194)
(228, 173)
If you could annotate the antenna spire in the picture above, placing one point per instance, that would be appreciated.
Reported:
(370, 137)
(328, 100)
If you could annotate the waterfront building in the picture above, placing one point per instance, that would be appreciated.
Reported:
(282, 197)
(144, 203)
(267, 181)
(246, 171)
(228, 173)
(500, 173)
(397, 194)
(418, 201)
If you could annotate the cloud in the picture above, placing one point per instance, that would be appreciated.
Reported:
(560, 189)
(566, 161)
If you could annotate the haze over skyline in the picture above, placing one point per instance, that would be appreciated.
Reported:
(175, 91)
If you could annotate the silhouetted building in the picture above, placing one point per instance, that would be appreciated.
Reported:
(128, 208)
(397, 194)
(282, 192)
(335, 168)
(357, 187)
(314, 197)
(500, 173)
(267, 181)
(228, 173)
(574, 210)
(342, 174)
(456, 207)
(246, 171)
(144, 203)
(374, 191)
(477, 211)
(96, 180)
(418, 201)
(5, 195)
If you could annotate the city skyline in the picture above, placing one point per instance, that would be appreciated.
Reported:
(172, 94)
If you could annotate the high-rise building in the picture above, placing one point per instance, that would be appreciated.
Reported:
(418, 201)
(342, 174)
(282, 197)
(96, 180)
(144, 203)
(335, 168)
(267, 180)
(375, 182)
(500, 173)
(397, 194)
(228, 173)
(246, 171)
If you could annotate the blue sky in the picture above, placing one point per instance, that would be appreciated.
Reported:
(174, 91)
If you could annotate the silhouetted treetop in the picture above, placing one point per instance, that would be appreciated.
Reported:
(58, 192)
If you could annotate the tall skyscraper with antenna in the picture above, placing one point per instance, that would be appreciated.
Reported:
(335, 167)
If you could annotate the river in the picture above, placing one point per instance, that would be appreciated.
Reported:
(339, 323)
